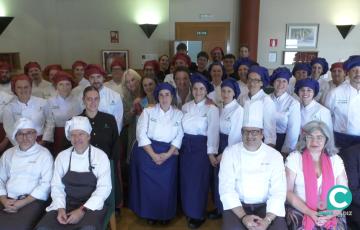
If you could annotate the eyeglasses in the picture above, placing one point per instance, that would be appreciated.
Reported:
(319, 138)
(27, 134)
(254, 80)
(251, 132)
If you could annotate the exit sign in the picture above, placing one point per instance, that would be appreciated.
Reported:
(201, 33)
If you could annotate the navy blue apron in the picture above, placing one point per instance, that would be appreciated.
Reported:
(78, 188)
(343, 141)
(280, 139)
(153, 188)
(194, 175)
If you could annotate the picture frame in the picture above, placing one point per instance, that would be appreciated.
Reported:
(109, 55)
(292, 57)
(301, 36)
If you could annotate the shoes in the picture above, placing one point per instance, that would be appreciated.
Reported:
(195, 223)
(151, 221)
(214, 214)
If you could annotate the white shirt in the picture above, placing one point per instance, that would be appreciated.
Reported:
(243, 88)
(110, 102)
(202, 119)
(294, 163)
(231, 119)
(330, 86)
(170, 79)
(80, 163)
(5, 98)
(114, 86)
(62, 109)
(34, 109)
(344, 104)
(323, 87)
(252, 177)
(6, 88)
(269, 114)
(79, 89)
(216, 95)
(315, 112)
(288, 120)
(42, 90)
(158, 125)
(26, 172)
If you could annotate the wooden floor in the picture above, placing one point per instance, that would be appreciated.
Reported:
(129, 221)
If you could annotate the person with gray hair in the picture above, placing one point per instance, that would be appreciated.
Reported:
(311, 172)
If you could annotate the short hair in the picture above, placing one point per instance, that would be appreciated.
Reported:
(229, 56)
(181, 69)
(203, 54)
(181, 46)
(88, 89)
(329, 148)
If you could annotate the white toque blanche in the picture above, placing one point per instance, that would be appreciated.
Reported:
(22, 123)
(77, 123)
(254, 115)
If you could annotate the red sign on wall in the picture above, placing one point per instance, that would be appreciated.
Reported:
(273, 42)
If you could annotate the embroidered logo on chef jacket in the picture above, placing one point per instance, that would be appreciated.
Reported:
(32, 162)
(228, 119)
(153, 119)
(341, 101)
(177, 123)
(112, 102)
(55, 107)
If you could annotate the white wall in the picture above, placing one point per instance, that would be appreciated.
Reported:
(275, 14)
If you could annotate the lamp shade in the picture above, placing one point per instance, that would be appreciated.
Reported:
(4, 22)
(344, 29)
(148, 29)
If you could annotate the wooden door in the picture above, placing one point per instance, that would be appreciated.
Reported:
(212, 34)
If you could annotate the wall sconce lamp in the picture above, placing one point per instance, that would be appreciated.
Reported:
(4, 22)
(148, 29)
(344, 29)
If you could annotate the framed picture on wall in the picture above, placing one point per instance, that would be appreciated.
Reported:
(292, 57)
(109, 55)
(301, 36)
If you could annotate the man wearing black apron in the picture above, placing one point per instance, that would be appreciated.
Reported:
(81, 183)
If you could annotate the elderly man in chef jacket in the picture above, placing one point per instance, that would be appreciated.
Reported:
(252, 182)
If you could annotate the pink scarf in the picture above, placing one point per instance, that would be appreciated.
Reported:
(311, 192)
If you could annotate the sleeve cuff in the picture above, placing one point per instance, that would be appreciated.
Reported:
(212, 150)
(177, 144)
(144, 142)
(39, 195)
(3, 192)
(276, 207)
(230, 201)
(94, 204)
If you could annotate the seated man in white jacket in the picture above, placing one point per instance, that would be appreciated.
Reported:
(252, 183)
(25, 175)
(81, 182)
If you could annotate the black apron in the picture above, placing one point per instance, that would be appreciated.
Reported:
(78, 188)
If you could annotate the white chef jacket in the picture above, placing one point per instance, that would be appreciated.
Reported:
(6, 88)
(216, 95)
(110, 102)
(288, 120)
(41, 90)
(5, 98)
(62, 109)
(114, 86)
(344, 104)
(315, 112)
(244, 90)
(294, 163)
(231, 119)
(80, 163)
(170, 79)
(202, 119)
(252, 177)
(323, 87)
(158, 125)
(34, 109)
(291, 87)
(26, 172)
(330, 86)
(269, 116)
(79, 89)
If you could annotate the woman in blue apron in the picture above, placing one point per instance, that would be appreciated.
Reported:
(81, 183)
(231, 116)
(154, 161)
(199, 147)
(287, 112)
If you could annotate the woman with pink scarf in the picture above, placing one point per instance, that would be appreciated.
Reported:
(311, 172)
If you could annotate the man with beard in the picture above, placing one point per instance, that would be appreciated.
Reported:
(33, 70)
(5, 78)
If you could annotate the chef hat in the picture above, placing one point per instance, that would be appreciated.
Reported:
(308, 82)
(301, 66)
(322, 62)
(263, 72)
(351, 62)
(5, 65)
(78, 63)
(77, 123)
(94, 69)
(18, 78)
(154, 64)
(196, 77)
(337, 65)
(63, 76)
(30, 65)
(280, 72)
(232, 83)
(254, 115)
(183, 57)
(22, 123)
(161, 86)
(244, 61)
(118, 62)
(51, 67)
